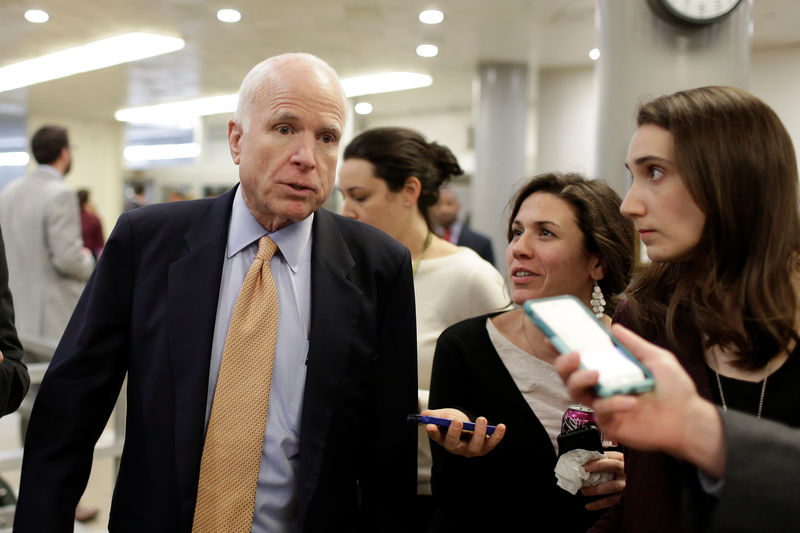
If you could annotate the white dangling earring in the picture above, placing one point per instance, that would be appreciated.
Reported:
(597, 302)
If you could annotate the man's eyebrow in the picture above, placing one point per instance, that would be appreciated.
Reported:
(332, 127)
(285, 116)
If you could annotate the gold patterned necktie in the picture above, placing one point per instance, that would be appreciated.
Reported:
(235, 436)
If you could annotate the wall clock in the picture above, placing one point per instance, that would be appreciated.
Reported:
(697, 12)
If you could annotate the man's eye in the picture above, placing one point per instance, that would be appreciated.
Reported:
(284, 130)
(327, 138)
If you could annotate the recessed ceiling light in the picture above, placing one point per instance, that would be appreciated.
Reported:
(229, 15)
(594, 54)
(431, 16)
(427, 50)
(14, 159)
(92, 56)
(157, 152)
(179, 112)
(37, 16)
(363, 108)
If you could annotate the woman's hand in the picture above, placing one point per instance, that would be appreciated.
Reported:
(614, 463)
(463, 443)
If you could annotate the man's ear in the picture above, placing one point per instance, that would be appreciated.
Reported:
(234, 139)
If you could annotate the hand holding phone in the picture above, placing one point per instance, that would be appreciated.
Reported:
(572, 327)
(444, 423)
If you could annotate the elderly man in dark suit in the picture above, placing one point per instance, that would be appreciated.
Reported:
(165, 308)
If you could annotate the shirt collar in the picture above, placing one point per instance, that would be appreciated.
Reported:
(292, 240)
(51, 170)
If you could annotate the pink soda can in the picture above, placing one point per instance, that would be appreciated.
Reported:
(576, 417)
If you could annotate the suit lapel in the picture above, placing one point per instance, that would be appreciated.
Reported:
(193, 291)
(335, 308)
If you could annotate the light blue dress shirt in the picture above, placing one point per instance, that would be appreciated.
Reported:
(276, 494)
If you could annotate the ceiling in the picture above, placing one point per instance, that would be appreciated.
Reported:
(354, 36)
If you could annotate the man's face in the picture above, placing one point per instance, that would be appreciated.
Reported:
(68, 152)
(287, 157)
(445, 211)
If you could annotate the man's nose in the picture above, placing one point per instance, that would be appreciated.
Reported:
(303, 155)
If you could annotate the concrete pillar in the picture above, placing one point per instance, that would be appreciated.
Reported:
(500, 122)
(643, 55)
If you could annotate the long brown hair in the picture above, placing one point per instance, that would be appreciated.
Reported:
(736, 159)
(606, 232)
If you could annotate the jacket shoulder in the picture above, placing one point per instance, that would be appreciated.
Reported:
(362, 239)
(467, 331)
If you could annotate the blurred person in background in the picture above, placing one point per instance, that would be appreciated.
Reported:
(91, 227)
(390, 178)
(137, 198)
(446, 224)
(47, 262)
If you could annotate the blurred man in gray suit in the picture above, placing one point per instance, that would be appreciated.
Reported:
(48, 266)
(47, 263)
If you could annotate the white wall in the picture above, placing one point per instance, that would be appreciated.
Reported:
(566, 121)
(775, 78)
(450, 128)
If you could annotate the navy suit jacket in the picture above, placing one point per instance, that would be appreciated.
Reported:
(481, 244)
(148, 313)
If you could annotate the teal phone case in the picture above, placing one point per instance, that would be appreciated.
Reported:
(562, 347)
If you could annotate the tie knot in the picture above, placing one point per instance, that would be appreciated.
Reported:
(266, 248)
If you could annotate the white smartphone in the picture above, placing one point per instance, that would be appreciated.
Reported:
(572, 327)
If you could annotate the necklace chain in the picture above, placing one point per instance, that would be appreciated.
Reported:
(722, 394)
(525, 333)
(428, 239)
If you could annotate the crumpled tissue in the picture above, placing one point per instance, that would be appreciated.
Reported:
(572, 476)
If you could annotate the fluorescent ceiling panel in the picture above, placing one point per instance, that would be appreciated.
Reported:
(184, 111)
(92, 56)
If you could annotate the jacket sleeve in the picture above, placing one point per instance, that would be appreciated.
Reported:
(761, 484)
(388, 478)
(14, 379)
